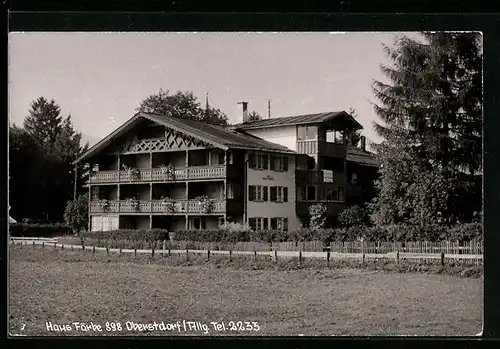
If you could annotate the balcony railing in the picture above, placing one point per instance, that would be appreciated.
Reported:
(156, 174)
(319, 177)
(157, 206)
(313, 147)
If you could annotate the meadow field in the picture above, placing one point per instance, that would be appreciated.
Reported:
(61, 293)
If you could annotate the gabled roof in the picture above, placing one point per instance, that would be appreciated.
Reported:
(362, 157)
(297, 120)
(218, 136)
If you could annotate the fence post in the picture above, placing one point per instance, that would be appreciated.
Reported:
(83, 245)
(230, 255)
(107, 250)
(328, 257)
(135, 251)
(33, 243)
(169, 251)
(363, 258)
(397, 257)
(71, 247)
(55, 244)
(442, 258)
(254, 255)
(276, 257)
(62, 247)
(187, 254)
(120, 251)
(153, 252)
(93, 249)
(43, 244)
(300, 257)
(208, 255)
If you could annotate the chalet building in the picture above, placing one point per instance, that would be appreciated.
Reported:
(156, 171)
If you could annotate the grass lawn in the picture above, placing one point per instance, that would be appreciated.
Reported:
(62, 287)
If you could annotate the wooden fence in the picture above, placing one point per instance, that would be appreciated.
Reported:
(470, 252)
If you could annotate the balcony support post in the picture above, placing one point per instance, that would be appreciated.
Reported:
(150, 221)
(119, 165)
(90, 200)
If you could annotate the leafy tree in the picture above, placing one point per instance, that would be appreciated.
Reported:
(254, 116)
(76, 213)
(182, 105)
(435, 96)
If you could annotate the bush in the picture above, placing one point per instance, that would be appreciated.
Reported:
(128, 234)
(317, 216)
(39, 230)
(76, 213)
(352, 216)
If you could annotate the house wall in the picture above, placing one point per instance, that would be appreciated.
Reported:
(274, 209)
(285, 135)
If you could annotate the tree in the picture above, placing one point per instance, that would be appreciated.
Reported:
(254, 116)
(76, 213)
(317, 216)
(53, 144)
(435, 97)
(353, 136)
(352, 216)
(408, 190)
(182, 105)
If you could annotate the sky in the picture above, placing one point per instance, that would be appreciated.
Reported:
(100, 78)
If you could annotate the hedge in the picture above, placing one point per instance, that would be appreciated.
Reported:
(399, 233)
(39, 230)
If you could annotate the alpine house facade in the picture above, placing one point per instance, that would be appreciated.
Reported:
(156, 171)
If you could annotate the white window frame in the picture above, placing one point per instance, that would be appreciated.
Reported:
(259, 161)
(259, 193)
(280, 194)
(230, 190)
(259, 223)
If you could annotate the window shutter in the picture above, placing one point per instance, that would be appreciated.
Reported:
(265, 193)
(285, 163)
(274, 193)
(251, 193)
(285, 194)
(272, 162)
(265, 162)
(264, 223)
(285, 224)
(251, 160)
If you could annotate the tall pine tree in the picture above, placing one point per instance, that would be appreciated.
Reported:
(435, 94)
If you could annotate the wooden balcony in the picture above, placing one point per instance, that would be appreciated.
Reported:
(322, 148)
(354, 190)
(157, 206)
(318, 177)
(156, 175)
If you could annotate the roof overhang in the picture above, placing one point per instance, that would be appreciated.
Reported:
(133, 121)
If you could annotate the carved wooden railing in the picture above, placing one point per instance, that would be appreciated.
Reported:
(156, 174)
(157, 206)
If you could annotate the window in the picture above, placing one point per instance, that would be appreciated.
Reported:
(279, 223)
(196, 223)
(258, 223)
(307, 132)
(333, 194)
(278, 194)
(230, 190)
(257, 193)
(311, 192)
(279, 163)
(258, 161)
(301, 193)
(230, 157)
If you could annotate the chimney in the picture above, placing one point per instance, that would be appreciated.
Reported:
(363, 143)
(245, 111)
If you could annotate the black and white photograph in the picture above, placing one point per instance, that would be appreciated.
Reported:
(209, 184)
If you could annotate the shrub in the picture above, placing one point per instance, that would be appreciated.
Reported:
(76, 213)
(466, 232)
(128, 234)
(39, 230)
(317, 216)
(352, 216)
